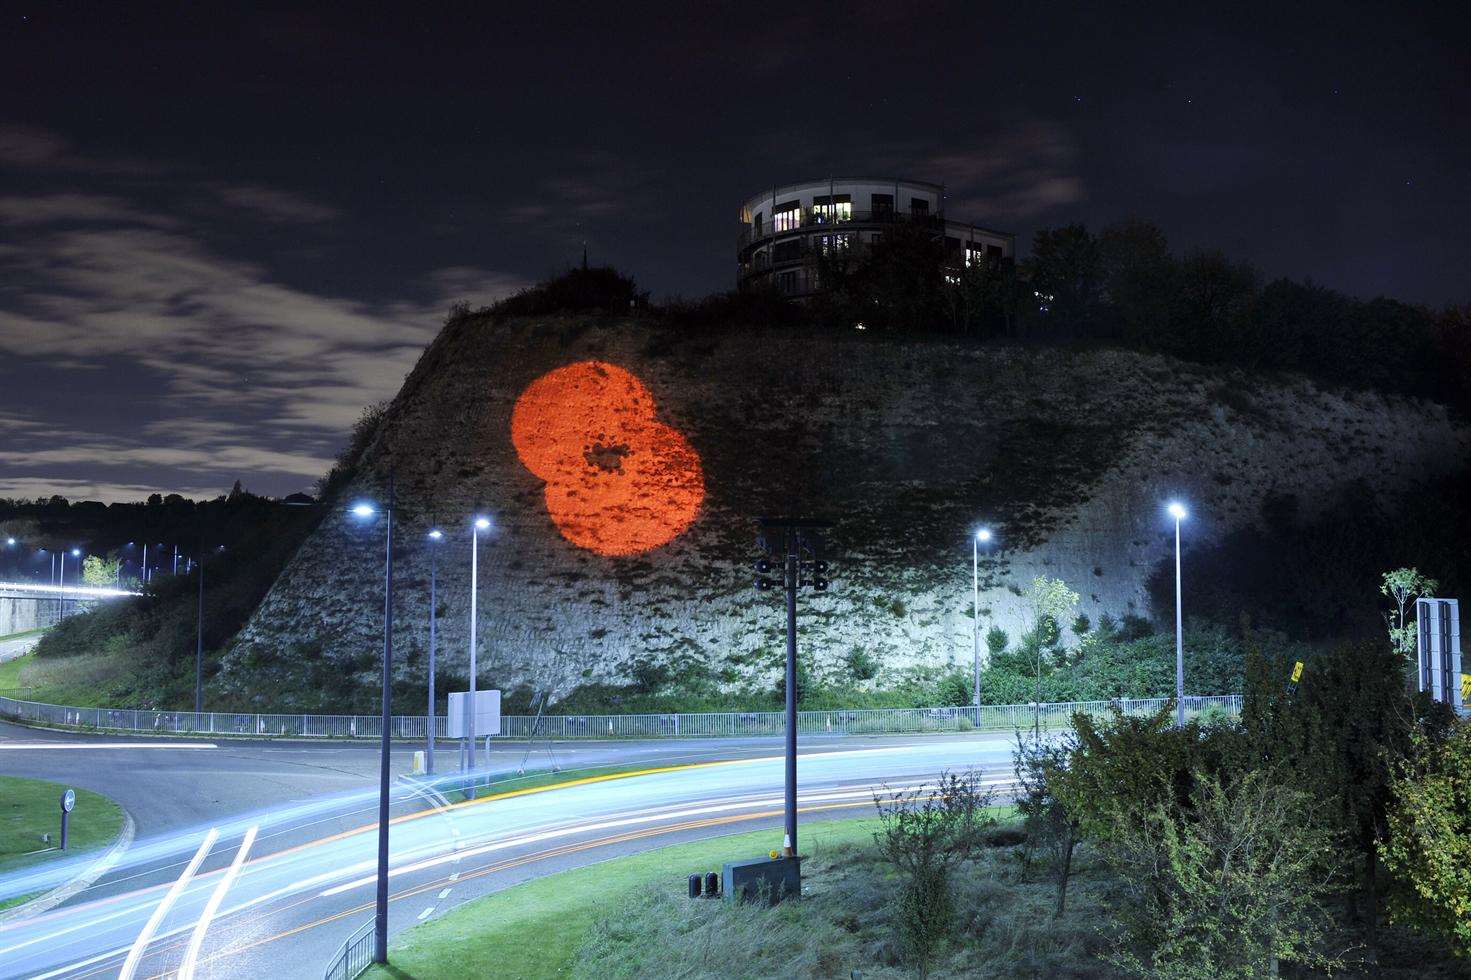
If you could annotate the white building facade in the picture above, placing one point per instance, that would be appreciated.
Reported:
(785, 229)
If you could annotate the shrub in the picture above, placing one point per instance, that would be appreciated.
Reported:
(1428, 849)
(1224, 889)
(924, 834)
(1041, 768)
(861, 664)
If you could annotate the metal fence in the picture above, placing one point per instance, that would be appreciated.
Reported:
(724, 724)
(353, 956)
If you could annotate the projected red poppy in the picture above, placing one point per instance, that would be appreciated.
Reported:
(618, 481)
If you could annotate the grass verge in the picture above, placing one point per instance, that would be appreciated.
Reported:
(489, 936)
(30, 808)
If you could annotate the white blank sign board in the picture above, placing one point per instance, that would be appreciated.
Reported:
(487, 714)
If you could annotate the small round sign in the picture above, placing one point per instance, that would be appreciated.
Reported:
(68, 800)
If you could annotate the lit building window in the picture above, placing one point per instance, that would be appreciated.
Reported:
(787, 217)
(834, 244)
(975, 254)
(829, 210)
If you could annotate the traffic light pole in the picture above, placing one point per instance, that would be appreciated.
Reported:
(785, 541)
(792, 577)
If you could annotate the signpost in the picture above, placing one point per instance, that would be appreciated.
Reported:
(68, 803)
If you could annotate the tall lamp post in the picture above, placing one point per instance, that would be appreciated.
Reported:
(380, 918)
(481, 524)
(1179, 513)
(199, 638)
(435, 536)
(982, 537)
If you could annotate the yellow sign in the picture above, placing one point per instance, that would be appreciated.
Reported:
(1297, 672)
(1466, 689)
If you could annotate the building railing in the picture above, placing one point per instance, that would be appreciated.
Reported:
(809, 218)
(353, 957)
(719, 724)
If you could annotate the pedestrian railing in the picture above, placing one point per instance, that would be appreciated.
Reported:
(718, 724)
(352, 957)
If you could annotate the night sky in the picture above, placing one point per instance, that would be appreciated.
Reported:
(224, 233)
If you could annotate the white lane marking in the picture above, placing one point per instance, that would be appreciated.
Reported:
(135, 955)
(196, 941)
(426, 913)
(444, 893)
(455, 876)
(46, 746)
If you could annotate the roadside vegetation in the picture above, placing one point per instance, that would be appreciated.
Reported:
(30, 825)
(140, 652)
(1322, 834)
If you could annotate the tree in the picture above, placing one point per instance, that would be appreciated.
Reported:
(895, 283)
(1225, 889)
(100, 571)
(1138, 279)
(1051, 601)
(1066, 273)
(1428, 847)
(1404, 585)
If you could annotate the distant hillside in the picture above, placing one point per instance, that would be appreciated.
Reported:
(905, 444)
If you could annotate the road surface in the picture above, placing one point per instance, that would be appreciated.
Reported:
(307, 882)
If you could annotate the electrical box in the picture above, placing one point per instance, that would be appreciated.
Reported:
(763, 880)
(1438, 624)
(487, 714)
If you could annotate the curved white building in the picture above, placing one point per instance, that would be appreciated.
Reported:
(784, 229)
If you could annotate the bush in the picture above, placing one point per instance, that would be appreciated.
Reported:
(1224, 889)
(1428, 849)
(924, 834)
(1041, 769)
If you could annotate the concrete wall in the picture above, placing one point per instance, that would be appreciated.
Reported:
(22, 615)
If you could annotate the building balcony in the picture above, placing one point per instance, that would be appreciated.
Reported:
(821, 219)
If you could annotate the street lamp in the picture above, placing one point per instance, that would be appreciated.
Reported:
(435, 536)
(364, 511)
(481, 524)
(1179, 513)
(982, 537)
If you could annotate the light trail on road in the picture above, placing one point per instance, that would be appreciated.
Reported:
(264, 913)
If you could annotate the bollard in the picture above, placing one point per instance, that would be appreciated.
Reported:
(694, 885)
(712, 884)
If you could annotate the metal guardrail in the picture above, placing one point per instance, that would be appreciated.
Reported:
(352, 957)
(723, 724)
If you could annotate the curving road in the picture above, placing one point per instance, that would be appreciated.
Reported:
(307, 812)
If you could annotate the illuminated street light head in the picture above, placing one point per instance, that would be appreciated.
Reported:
(435, 534)
(76, 552)
(10, 542)
(983, 535)
(1177, 510)
(363, 510)
(481, 523)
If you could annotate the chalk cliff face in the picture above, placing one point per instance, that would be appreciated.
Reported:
(624, 464)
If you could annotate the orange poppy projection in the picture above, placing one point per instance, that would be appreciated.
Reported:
(618, 481)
